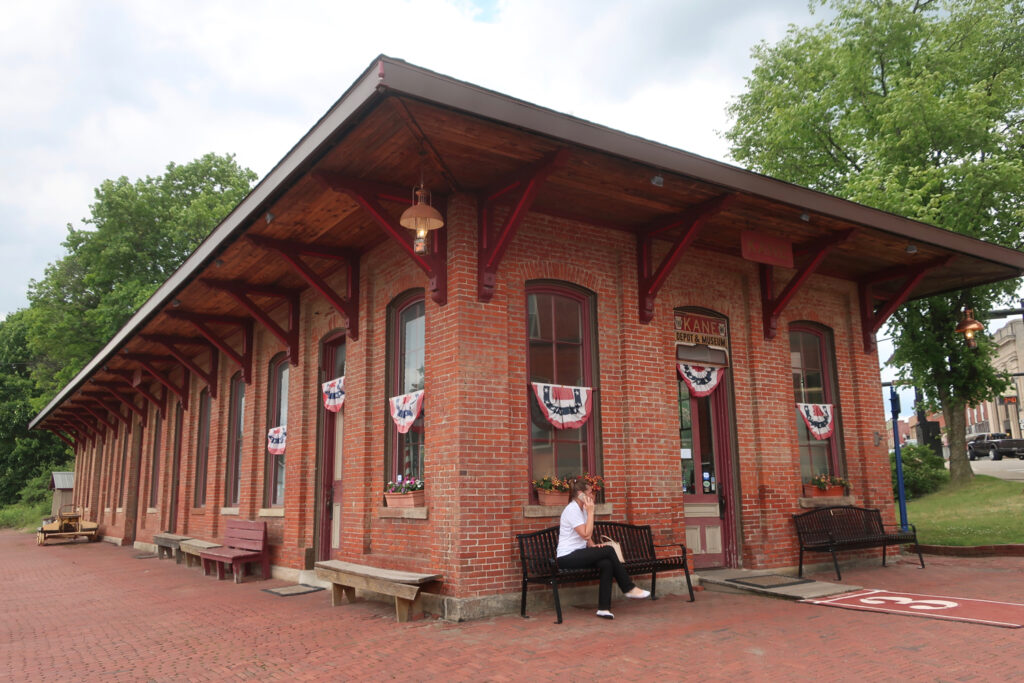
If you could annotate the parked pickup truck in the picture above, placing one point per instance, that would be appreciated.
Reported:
(994, 445)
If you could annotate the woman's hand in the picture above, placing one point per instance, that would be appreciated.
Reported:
(588, 503)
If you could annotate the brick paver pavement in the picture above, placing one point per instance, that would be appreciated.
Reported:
(92, 612)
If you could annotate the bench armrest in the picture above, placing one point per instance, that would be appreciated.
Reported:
(911, 527)
(672, 545)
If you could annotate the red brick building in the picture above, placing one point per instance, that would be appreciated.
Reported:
(570, 255)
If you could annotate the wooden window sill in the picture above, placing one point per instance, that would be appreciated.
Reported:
(556, 510)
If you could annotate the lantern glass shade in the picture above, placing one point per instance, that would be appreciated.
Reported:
(421, 215)
(968, 327)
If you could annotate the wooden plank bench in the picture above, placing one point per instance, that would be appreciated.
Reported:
(537, 555)
(405, 587)
(846, 527)
(244, 542)
(168, 544)
(191, 548)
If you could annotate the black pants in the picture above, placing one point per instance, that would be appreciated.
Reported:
(605, 559)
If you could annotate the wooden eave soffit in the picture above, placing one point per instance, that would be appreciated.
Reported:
(99, 399)
(172, 343)
(202, 321)
(147, 361)
(492, 241)
(691, 221)
(815, 253)
(240, 291)
(109, 387)
(872, 318)
(292, 252)
(368, 196)
(133, 380)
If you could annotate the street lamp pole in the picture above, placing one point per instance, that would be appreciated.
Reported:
(894, 406)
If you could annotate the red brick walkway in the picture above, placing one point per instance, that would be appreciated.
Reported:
(94, 613)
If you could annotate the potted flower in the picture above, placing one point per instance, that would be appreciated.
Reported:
(552, 490)
(405, 493)
(826, 485)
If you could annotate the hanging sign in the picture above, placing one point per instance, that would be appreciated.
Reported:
(694, 328)
(700, 379)
(405, 409)
(334, 394)
(563, 406)
(276, 438)
(819, 418)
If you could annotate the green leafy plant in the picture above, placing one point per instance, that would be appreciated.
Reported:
(406, 485)
(923, 471)
(552, 484)
(823, 481)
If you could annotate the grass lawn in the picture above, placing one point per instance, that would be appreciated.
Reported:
(988, 511)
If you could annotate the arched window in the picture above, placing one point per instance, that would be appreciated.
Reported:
(407, 369)
(561, 350)
(154, 472)
(236, 430)
(202, 447)
(277, 416)
(812, 360)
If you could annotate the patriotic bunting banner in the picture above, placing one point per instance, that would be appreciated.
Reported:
(819, 417)
(701, 379)
(334, 394)
(562, 406)
(405, 409)
(276, 438)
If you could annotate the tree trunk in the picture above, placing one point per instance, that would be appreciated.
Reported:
(960, 471)
(928, 433)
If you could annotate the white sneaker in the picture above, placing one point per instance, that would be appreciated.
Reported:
(641, 595)
(605, 614)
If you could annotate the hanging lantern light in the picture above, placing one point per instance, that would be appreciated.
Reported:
(968, 327)
(421, 217)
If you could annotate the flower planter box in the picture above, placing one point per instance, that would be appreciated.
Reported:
(811, 491)
(552, 497)
(412, 499)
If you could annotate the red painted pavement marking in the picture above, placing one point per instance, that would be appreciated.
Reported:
(990, 612)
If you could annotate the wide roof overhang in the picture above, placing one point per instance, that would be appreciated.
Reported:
(397, 119)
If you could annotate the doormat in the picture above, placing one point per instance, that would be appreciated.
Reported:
(145, 556)
(988, 612)
(297, 589)
(770, 581)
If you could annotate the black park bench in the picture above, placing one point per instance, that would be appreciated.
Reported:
(846, 527)
(537, 555)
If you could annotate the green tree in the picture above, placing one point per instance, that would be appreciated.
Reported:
(137, 235)
(914, 107)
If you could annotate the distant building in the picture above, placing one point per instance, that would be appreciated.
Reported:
(1004, 409)
(63, 486)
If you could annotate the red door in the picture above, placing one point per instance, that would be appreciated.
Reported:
(332, 366)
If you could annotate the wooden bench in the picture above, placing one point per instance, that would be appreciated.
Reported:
(846, 527)
(537, 555)
(244, 542)
(191, 548)
(166, 544)
(405, 587)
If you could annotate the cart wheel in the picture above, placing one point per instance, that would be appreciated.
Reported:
(40, 538)
(94, 538)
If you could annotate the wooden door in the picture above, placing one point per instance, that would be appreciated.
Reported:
(332, 366)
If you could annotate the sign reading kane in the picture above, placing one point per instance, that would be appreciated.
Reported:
(693, 328)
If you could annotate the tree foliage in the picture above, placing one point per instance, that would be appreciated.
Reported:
(137, 234)
(914, 107)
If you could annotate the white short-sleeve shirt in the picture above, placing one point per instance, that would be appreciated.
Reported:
(568, 540)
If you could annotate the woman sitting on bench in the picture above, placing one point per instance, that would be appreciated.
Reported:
(577, 550)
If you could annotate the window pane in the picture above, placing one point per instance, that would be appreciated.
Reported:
(568, 319)
(542, 362)
(413, 327)
(282, 394)
(539, 324)
(543, 460)
(154, 481)
(569, 364)
(570, 458)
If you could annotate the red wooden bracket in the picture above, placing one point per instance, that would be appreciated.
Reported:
(691, 220)
(241, 291)
(871, 320)
(369, 197)
(171, 342)
(98, 398)
(492, 242)
(55, 432)
(202, 321)
(90, 430)
(77, 432)
(127, 379)
(110, 425)
(109, 388)
(146, 361)
(292, 252)
(772, 306)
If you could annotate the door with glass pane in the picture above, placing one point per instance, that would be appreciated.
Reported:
(332, 366)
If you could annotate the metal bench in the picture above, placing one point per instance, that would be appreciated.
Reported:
(537, 555)
(168, 544)
(846, 527)
(405, 587)
(244, 542)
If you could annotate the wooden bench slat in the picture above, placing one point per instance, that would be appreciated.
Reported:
(405, 587)
(395, 575)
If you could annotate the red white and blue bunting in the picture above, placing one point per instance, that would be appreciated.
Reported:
(819, 418)
(405, 409)
(564, 407)
(276, 438)
(701, 379)
(334, 394)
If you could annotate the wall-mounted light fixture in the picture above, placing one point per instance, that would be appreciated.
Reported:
(968, 327)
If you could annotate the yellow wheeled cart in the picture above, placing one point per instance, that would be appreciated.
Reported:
(67, 524)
